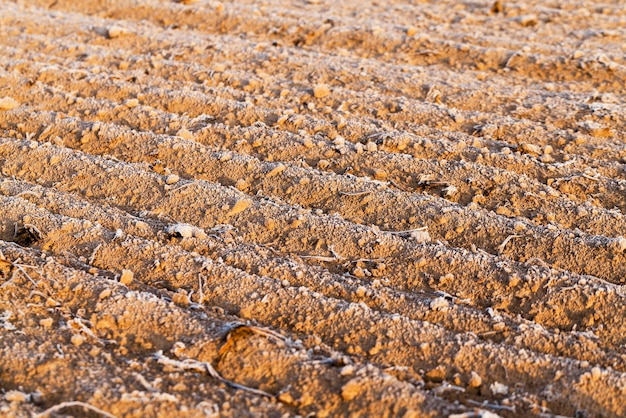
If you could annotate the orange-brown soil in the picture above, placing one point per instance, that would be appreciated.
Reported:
(312, 208)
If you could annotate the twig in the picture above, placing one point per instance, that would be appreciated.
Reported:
(508, 62)
(356, 193)
(63, 405)
(367, 260)
(142, 380)
(445, 387)
(466, 301)
(491, 405)
(506, 241)
(262, 331)
(427, 52)
(204, 367)
(183, 186)
(587, 176)
(332, 251)
(408, 231)
(319, 258)
(466, 415)
(20, 267)
(86, 329)
(200, 291)
(488, 333)
(93, 254)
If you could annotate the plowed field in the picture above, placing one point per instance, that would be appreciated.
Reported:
(312, 208)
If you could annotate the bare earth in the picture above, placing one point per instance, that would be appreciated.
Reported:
(315, 208)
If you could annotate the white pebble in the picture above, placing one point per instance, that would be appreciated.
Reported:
(116, 31)
(498, 388)
(439, 304)
(184, 230)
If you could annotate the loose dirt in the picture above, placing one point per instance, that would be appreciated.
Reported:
(312, 208)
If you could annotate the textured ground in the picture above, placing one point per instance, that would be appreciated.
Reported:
(315, 208)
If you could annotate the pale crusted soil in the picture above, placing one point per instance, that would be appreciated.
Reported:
(313, 208)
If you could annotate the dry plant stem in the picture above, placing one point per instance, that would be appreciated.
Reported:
(506, 241)
(204, 367)
(491, 406)
(70, 404)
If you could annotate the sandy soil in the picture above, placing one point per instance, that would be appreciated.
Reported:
(312, 208)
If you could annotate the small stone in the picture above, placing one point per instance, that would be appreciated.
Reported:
(116, 31)
(497, 7)
(528, 20)
(498, 388)
(78, 340)
(450, 191)
(596, 373)
(286, 398)
(276, 170)
(530, 149)
(595, 129)
(439, 304)
(380, 174)
(308, 143)
(127, 277)
(347, 370)
(8, 103)
(46, 322)
(499, 326)
(421, 236)
(475, 380)
(239, 207)
(185, 133)
(350, 390)
(105, 294)
(339, 140)
(130, 103)
(15, 396)
(242, 185)
(321, 90)
(180, 299)
(361, 291)
(172, 179)
(519, 226)
(181, 230)
(412, 31)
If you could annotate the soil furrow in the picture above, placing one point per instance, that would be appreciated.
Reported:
(581, 184)
(287, 209)
(445, 221)
(109, 314)
(485, 280)
(268, 301)
(369, 40)
(563, 110)
(223, 244)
